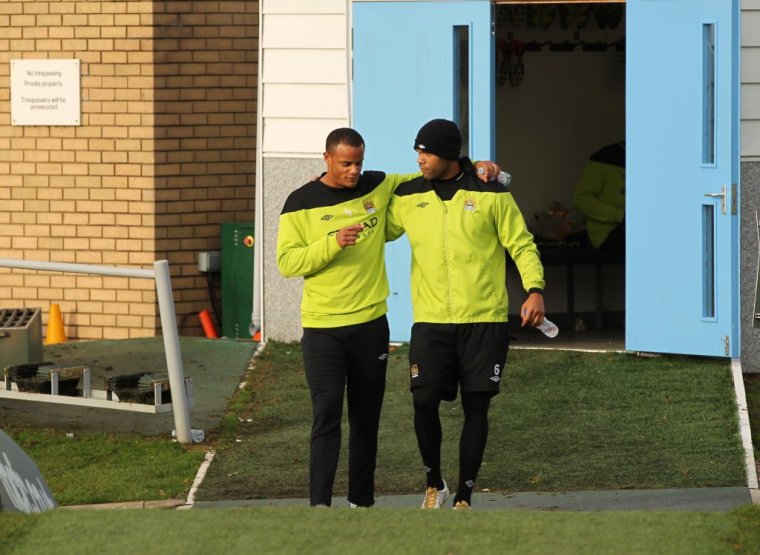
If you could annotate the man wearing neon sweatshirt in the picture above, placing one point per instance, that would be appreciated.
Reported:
(600, 197)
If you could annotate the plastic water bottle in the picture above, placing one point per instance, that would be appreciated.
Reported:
(504, 178)
(548, 328)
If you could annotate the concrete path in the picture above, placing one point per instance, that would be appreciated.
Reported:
(696, 499)
(214, 365)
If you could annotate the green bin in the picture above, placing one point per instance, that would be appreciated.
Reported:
(237, 279)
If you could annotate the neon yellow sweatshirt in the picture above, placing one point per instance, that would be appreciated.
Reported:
(341, 286)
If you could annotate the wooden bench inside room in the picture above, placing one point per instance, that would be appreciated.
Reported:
(570, 255)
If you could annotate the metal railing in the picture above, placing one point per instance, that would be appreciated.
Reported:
(160, 274)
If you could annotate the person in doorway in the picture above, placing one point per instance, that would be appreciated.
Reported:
(458, 229)
(600, 197)
(332, 233)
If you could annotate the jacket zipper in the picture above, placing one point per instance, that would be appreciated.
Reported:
(446, 251)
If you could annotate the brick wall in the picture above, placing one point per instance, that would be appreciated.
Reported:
(164, 154)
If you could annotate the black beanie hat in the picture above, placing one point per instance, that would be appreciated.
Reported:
(440, 137)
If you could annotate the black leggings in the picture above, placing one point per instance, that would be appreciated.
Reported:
(472, 442)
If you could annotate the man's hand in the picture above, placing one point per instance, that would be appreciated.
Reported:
(533, 310)
(346, 236)
(487, 171)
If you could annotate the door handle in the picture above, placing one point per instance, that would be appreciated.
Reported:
(721, 196)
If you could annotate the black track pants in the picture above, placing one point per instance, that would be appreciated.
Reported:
(352, 359)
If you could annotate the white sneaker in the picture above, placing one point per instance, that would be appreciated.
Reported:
(435, 497)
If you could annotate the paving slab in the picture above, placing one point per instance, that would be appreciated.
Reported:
(694, 499)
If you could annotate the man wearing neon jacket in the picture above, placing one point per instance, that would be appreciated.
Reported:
(600, 196)
(458, 228)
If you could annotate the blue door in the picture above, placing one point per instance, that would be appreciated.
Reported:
(682, 268)
(412, 62)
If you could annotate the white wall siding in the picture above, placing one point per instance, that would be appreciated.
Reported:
(750, 109)
(305, 76)
(296, 138)
(304, 66)
(304, 6)
(750, 80)
(750, 138)
(751, 26)
(304, 31)
(285, 100)
(750, 65)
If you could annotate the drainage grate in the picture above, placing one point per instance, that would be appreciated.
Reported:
(17, 318)
(20, 336)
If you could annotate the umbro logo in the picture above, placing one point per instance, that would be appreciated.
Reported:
(327, 218)
(422, 204)
(384, 356)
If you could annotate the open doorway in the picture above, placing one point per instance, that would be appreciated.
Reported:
(560, 98)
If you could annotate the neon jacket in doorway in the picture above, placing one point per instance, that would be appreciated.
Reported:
(600, 192)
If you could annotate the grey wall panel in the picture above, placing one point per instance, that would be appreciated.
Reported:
(282, 297)
(748, 254)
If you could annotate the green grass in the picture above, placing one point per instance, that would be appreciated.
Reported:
(408, 531)
(564, 421)
(94, 467)
(752, 394)
(581, 421)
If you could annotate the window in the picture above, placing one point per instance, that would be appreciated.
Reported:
(708, 93)
(462, 83)
(708, 261)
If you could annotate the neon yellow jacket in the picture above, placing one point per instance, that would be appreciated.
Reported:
(458, 231)
(341, 286)
(600, 192)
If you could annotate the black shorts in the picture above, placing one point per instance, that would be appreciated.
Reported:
(446, 356)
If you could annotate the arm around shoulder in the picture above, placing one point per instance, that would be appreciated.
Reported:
(393, 225)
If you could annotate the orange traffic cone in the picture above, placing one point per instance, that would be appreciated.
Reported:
(208, 325)
(55, 331)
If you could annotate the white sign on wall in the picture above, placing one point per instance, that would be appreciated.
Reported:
(45, 92)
